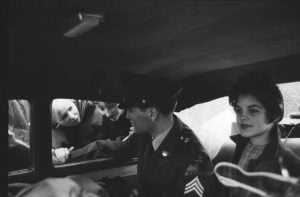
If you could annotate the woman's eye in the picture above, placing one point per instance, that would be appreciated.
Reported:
(253, 111)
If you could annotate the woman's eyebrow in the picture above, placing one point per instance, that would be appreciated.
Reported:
(255, 105)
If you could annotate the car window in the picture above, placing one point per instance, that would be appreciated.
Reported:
(291, 95)
(77, 124)
(19, 118)
(214, 121)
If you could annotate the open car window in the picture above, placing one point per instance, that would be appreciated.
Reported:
(77, 124)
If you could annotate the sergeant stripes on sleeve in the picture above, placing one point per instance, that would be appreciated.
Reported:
(194, 185)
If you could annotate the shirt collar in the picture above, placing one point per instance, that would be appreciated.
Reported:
(160, 138)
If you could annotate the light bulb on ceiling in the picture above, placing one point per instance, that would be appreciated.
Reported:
(86, 22)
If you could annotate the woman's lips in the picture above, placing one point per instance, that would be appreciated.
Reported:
(245, 126)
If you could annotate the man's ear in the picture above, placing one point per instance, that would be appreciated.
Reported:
(153, 113)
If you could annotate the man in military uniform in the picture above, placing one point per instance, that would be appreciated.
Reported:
(171, 160)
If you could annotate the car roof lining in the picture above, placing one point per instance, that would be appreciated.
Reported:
(204, 45)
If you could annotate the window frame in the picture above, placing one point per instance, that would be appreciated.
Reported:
(40, 146)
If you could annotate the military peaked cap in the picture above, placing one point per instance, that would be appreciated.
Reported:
(145, 90)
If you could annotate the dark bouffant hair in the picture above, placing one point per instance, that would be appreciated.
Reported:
(263, 88)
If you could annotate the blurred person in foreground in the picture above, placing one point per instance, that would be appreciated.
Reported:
(70, 186)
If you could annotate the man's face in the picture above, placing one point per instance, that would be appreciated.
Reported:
(65, 112)
(140, 120)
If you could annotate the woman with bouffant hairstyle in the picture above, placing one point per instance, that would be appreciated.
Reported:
(258, 105)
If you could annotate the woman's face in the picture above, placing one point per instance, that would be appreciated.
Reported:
(66, 112)
(251, 119)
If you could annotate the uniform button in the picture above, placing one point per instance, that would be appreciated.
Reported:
(165, 153)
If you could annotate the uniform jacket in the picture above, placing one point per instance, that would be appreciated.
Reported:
(179, 167)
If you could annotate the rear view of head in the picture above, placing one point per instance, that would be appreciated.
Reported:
(65, 112)
(262, 87)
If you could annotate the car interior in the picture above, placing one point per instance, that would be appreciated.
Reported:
(72, 49)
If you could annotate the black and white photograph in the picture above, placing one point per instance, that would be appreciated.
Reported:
(150, 98)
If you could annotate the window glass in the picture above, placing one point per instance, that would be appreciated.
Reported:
(76, 124)
(291, 95)
(214, 121)
(211, 121)
(18, 134)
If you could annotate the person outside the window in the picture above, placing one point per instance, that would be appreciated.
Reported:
(258, 105)
(115, 123)
(171, 160)
(74, 124)
(70, 186)
(76, 119)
